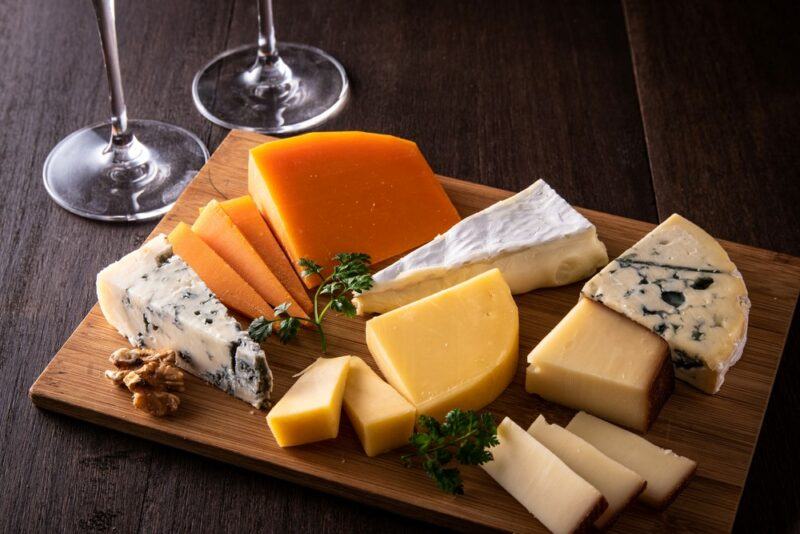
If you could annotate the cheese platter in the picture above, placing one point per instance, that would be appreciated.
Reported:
(713, 434)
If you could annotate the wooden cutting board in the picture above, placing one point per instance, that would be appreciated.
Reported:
(719, 431)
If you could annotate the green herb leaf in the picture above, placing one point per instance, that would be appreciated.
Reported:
(260, 329)
(463, 437)
(288, 330)
(310, 267)
(282, 309)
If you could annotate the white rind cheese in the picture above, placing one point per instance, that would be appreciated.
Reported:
(679, 282)
(535, 238)
(156, 300)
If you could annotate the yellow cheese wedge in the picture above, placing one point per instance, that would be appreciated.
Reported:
(666, 473)
(542, 482)
(618, 484)
(311, 409)
(600, 361)
(454, 349)
(382, 418)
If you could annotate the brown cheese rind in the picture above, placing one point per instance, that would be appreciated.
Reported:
(587, 524)
(660, 390)
(664, 503)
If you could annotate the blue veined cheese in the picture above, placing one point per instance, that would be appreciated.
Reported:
(535, 238)
(680, 283)
(153, 298)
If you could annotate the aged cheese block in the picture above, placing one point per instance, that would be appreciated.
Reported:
(244, 214)
(330, 192)
(666, 473)
(218, 230)
(311, 409)
(454, 349)
(220, 277)
(679, 282)
(382, 418)
(535, 238)
(618, 484)
(154, 299)
(542, 482)
(599, 361)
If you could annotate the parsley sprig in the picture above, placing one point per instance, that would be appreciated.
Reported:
(350, 274)
(463, 437)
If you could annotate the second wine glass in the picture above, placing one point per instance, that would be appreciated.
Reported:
(270, 87)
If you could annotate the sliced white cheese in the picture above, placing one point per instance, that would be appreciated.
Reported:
(535, 238)
(679, 282)
(156, 300)
(542, 482)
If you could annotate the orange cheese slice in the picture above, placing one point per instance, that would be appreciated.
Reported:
(329, 192)
(220, 277)
(244, 214)
(221, 234)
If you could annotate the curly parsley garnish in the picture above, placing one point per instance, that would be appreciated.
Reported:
(350, 274)
(463, 437)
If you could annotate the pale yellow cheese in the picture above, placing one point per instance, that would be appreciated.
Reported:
(666, 473)
(542, 482)
(457, 348)
(311, 409)
(382, 418)
(600, 361)
(618, 484)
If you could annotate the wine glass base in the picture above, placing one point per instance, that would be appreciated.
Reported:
(225, 94)
(80, 173)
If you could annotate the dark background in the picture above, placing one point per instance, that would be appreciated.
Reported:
(639, 109)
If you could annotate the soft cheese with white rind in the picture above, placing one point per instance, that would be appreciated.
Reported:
(535, 238)
(618, 484)
(679, 282)
(154, 299)
(542, 482)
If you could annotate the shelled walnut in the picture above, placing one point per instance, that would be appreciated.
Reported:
(150, 376)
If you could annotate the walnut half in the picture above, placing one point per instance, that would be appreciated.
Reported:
(150, 376)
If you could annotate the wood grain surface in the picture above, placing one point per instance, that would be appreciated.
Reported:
(494, 92)
(718, 431)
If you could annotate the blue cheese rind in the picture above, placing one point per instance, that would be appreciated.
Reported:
(154, 299)
(535, 238)
(680, 283)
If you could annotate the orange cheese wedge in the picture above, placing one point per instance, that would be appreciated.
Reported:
(245, 215)
(221, 234)
(329, 192)
(220, 277)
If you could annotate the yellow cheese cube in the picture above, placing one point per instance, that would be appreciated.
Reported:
(457, 348)
(600, 361)
(382, 418)
(311, 409)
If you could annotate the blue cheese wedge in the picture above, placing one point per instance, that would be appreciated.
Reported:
(535, 238)
(154, 299)
(680, 283)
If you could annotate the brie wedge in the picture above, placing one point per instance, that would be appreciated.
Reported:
(535, 238)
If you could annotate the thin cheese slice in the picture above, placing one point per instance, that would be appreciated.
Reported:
(220, 277)
(330, 192)
(244, 214)
(382, 418)
(217, 229)
(599, 361)
(618, 484)
(311, 409)
(454, 349)
(542, 482)
(666, 473)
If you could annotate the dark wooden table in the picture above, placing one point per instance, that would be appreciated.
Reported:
(635, 108)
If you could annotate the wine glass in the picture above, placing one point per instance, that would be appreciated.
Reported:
(270, 87)
(121, 170)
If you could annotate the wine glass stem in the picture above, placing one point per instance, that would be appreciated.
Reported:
(267, 51)
(120, 135)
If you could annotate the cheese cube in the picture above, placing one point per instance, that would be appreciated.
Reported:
(666, 473)
(311, 409)
(457, 348)
(599, 361)
(382, 418)
(541, 482)
(329, 192)
(618, 484)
